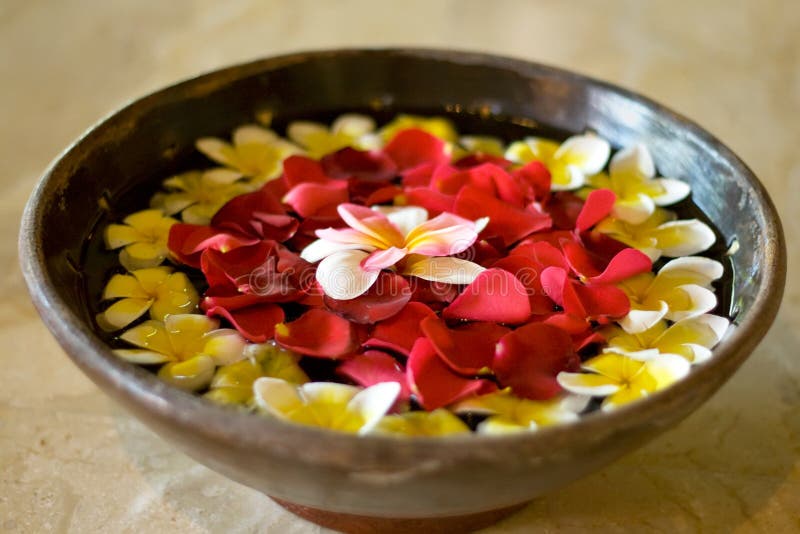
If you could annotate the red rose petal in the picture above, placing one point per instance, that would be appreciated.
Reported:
(366, 165)
(234, 268)
(434, 201)
(187, 242)
(373, 367)
(629, 262)
(508, 222)
(598, 301)
(495, 295)
(317, 333)
(554, 280)
(434, 294)
(535, 179)
(237, 213)
(413, 147)
(385, 298)
(529, 359)
(383, 195)
(564, 208)
(398, 333)
(303, 170)
(419, 176)
(473, 160)
(311, 199)
(255, 323)
(527, 271)
(434, 383)
(467, 350)
(597, 206)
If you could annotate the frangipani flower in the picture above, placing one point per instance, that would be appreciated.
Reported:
(569, 163)
(692, 338)
(622, 379)
(326, 404)
(256, 152)
(509, 414)
(142, 237)
(436, 126)
(681, 289)
(661, 234)
(632, 178)
(479, 145)
(349, 130)
(439, 422)
(379, 238)
(233, 383)
(191, 346)
(157, 289)
(198, 195)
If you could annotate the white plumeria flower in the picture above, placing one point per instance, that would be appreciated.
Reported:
(661, 235)
(622, 379)
(681, 289)
(632, 178)
(326, 404)
(379, 238)
(510, 414)
(691, 338)
(348, 130)
(256, 152)
(569, 163)
(190, 345)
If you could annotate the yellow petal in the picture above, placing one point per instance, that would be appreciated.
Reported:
(276, 397)
(371, 404)
(150, 335)
(617, 367)
(587, 384)
(190, 375)
(119, 235)
(224, 346)
(684, 238)
(141, 357)
(123, 285)
(439, 422)
(122, 313)
(442, 269)
(151, 278)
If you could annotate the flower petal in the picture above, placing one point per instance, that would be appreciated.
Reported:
(639, 320)
(371, 223)
(309, 199)
(276, 396)
(507, 222)
(588, 384)
(383, 259)
(385, 298)
(468, 350)
(374, 366)
(372, 403)
(399, 332)
(442, 269)
(341, 276)
(495, 295)
(317, 333)
(598, 205)
(444, 235)
(587, 152)
(122, 313)
(633, 160)
(684, 237)
(255, 323)
(413, 147)
(405, 218)
(672, 191)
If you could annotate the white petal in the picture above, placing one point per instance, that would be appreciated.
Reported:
(640, 355)
(215, 149)
(667, 369)
(444, 269)
(373, 403)
(275, 396)
(577, 178)
(674, 191)
(322, 248)
(141, 357)
(634, 159)
(353, 124)
(634, 210)
(588, 152)
(640, 320)
(701, 271)
(718, 324)
(331, 393)
(404, 218)
(225, 346)
(253, 134)
(694, 237)
(576, 383)
(702, 300)
(342, 277)
(574, 403)
(701, 353)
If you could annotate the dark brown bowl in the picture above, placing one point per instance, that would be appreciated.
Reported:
(317, 471)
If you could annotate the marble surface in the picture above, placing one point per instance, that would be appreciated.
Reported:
(72, 461)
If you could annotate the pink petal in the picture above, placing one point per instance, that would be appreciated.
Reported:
(495, 295)
(383, 259)
(527, 271)
(628, 262)
(256, 323)
(413, 147)
(399, 332)
(434, 383)
(318, 333)
(529, 359)
(505, 221)
(373, 367)
(360, 164)
(444, 235)
(303, 170)
(598, 205)
(467, 350)
(310, 199)
(385, 298)
(371, 223)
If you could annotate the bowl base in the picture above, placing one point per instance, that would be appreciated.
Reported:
(361, 524)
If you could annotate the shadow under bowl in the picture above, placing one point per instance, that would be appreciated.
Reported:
(360, 483)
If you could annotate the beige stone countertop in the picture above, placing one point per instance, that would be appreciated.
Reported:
(73, 461)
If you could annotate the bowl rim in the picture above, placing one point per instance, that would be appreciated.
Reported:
(247, 430)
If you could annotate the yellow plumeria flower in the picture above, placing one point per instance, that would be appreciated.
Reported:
(661, 234)
(190, 345)
(691, 338)
(509, 414)
(632, 178)
(198, 195)
(326, 404)
(256, 152)
(156, 289)
(479, 144)
(233, 383)
(569, 163)
(438, 126)
(348, 130)
(681, 289)
(621, 379)
(439, 422)
(142, 237)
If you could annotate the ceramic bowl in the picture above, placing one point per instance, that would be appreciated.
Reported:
(382, 483)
